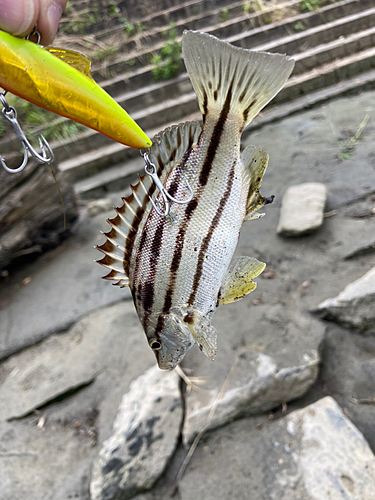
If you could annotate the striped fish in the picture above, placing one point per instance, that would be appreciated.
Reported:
(179, 267)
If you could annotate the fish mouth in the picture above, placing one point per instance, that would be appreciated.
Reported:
(174, 346)
(169, 359)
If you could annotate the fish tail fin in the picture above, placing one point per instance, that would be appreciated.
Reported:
(231, 78)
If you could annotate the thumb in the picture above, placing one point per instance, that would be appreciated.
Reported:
(50, 12)
(18, 17)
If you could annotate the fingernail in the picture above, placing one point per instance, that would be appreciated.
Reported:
(54, 16)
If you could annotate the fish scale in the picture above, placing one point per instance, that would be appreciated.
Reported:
(178, 266)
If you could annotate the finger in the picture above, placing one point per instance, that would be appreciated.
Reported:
(50, 12)
(18, 17)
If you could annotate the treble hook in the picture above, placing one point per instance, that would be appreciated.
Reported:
(150, 170)
(11, 115)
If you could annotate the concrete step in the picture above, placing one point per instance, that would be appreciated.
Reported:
(334, 43)
(121, 175)
(169, 110)
(300, 85)
(178, 98)
(246, 31)
(154, 37)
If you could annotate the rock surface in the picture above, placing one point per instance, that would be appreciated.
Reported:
(314, 453)
(65, 362)
(64, 285)
(348, 374)
(302, 209)
(146, 433)
(52, 450)
(31, 215)
(278, 363)
(354, 306)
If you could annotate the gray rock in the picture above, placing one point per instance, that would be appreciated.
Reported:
(302, 209)
(279, 364)
(53, 461)
(69, 361)
(354, 306)
(146, 433)
(314, 453)
(348, 375)
(62, 287)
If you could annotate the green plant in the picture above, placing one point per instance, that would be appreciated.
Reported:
(32, 119)
(129, 29)
(347, 148)
(168, 61)
(224, 15)
(310, 5)
(102, 54)
(299, 26)
(2, 128)
(140, 27)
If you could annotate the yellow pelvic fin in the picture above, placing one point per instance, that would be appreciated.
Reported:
(239, 282)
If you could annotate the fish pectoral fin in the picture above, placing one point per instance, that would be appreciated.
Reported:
(239, 280)
(75, 59)
(255, 162)
(223, 75)
(204, 334)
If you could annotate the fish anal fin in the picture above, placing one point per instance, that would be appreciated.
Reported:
(239, 280)
(255, 162)
(75, 59)
(121, 280)
(203, 332)
(227, 76)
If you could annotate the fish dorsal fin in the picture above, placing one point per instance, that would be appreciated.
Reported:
(119, 238)
(168, 149)
(255, 162)
(75, 59)
(203, 332)
(239, 280)
(228, 77)
(170, 146)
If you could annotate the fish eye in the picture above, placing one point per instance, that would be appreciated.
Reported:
(155, 344)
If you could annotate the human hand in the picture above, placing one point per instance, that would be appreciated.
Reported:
(19, 17)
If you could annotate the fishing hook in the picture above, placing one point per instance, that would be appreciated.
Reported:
(11, 115)
(150, 170)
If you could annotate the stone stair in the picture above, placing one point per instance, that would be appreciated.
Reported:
(333, 48)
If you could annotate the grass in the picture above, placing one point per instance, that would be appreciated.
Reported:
(32, 119)
(168, 61)
(310, 5)
(346, 152)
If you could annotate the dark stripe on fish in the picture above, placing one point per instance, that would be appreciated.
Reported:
(215, 139)
(177, 255)
(207, 239)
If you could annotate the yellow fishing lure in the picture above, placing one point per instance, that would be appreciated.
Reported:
(60, 81)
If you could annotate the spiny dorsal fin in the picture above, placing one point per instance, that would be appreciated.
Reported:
(170, 146)
(168, 149)
(255, 162)
(239, 281)
(116, 257)
(75, 59)
(219, 71)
